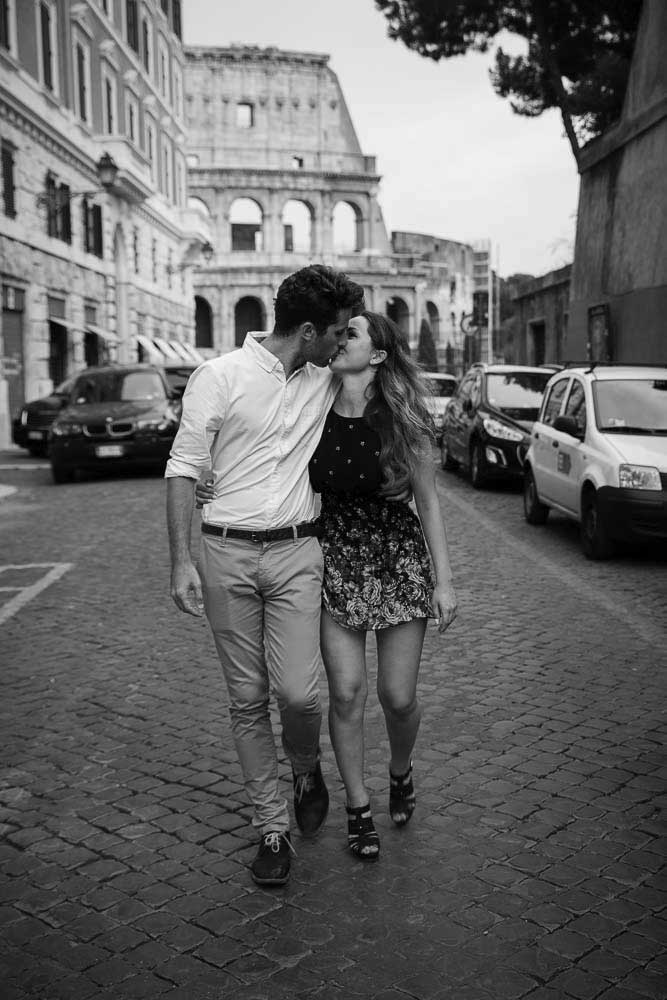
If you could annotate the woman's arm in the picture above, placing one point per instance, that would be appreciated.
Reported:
(430, 515)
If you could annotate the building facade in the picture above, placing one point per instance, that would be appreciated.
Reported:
(619, 278)
(275, 163)
(92, 268)
(540, 320)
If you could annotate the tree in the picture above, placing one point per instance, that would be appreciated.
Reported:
(426, 352)
(578, 57)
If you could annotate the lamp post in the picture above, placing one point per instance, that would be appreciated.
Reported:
(55, 199)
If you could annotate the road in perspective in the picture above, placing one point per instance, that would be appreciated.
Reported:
(534, 865)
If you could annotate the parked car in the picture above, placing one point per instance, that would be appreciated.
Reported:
(599, 455)
(177, 376)
(488, 421)
(31, 425)
(443, 386)
(116, 416)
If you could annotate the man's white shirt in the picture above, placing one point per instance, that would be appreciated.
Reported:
(257, 431)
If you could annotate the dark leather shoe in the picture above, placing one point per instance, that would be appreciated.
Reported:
(272, 861)
(311, 801)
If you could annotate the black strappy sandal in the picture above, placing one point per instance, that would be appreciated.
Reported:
(402, 798)
(362, 838)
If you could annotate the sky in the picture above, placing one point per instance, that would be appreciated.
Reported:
(455, 160)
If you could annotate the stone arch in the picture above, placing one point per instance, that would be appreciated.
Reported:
(246, 219)
(347, 227)
(248, 315)
(199, 205)
(297, 222)
(434, 320)
(397, 310)
(203, 322)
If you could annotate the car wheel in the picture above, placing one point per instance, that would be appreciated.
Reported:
(595, 540)
(61, 473)
(478, 475)
(534, 510)
(446, 460)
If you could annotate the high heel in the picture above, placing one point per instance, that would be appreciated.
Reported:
(402, 798)
(362, 838)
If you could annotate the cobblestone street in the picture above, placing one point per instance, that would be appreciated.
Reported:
(534, 865)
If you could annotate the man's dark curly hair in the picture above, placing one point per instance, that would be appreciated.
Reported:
(315, 294)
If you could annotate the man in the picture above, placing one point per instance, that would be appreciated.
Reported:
(254, 417)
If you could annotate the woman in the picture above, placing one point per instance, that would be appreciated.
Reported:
(374, 455)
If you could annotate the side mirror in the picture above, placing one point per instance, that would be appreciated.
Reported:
(567, 425)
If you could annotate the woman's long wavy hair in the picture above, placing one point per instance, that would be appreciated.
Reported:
(397, 405)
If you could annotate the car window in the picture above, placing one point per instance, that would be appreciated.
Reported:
(476, 390)
(117, 386)
(576, 405)
(554, 400)
(178, 377)
(631, 405)
(441, 387)
(517, 393)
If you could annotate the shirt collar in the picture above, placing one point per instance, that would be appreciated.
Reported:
(270, 363)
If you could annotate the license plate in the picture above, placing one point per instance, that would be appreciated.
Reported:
(35, 435)
(109, 450)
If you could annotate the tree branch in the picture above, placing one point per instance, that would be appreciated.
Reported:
(553, 72)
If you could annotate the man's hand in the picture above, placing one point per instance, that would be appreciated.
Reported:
(444, 606)
(204, 489)
(186, 589)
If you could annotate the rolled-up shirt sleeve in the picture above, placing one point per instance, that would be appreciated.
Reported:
(204, 406)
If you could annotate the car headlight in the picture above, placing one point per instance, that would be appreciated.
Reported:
(24, 418)
(158, 426)
(639, 477)
(66, 429)
(497, 430)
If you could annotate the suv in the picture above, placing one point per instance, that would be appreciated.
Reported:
(30, 427)
(599, 455)
(116, 415)
(488, 420)
(442, 386)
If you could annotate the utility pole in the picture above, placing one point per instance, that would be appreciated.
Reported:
(489, 322)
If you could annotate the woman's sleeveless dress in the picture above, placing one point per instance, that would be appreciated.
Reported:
(377, 571)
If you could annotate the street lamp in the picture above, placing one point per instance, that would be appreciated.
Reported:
(56, 198)
(206, 250)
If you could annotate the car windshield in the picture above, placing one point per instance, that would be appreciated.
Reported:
(517, 394)
(631, 406)
(118, 386)
(441, 386)
(178, 377)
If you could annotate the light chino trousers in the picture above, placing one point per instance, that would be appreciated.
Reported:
(262, 601)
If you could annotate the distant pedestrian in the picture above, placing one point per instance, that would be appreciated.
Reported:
(375, 453)
(254, 417)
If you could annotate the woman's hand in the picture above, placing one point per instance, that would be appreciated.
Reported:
(204, 491)
(444, 605)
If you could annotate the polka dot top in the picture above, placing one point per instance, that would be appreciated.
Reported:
(347, 459)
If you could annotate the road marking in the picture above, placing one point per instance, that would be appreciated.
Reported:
(27, 594)
(639, 624)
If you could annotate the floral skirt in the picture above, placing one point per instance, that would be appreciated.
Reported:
(377, 571)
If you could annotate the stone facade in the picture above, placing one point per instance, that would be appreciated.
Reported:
(87, 270)
(619, 279)
(540, 321)
(275, 163)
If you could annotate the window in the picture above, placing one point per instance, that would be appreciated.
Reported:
(82, 80)
(132, 118)
(177, 81)
(150, 147)
(245, 115)
(576, 405)
(553, 401)
(47, 45)
(91, 221)
(165, 7)
(154, 260)
(167, 179)
(163, 68)
(132, 24)
(7, 25)
(297, 163)
(135, 249)
(146, 44)
(176, 18)
(109, 102)
(179, 193)
(8, 187)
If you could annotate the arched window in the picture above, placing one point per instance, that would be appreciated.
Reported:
(246, 221)
(397, 310)
(203, 323)
(434, 320)
(346, 228)
(297, 227)
(248, 315)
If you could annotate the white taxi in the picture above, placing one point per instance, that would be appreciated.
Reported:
(598, 454)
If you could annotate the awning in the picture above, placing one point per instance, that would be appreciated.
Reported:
(168, 352)
(193, 354)
(180, 350)
(154, 355)
(106, 335)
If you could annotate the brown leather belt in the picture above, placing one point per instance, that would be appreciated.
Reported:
(294, 531)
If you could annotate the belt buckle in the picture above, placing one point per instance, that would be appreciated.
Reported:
(256, 536)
